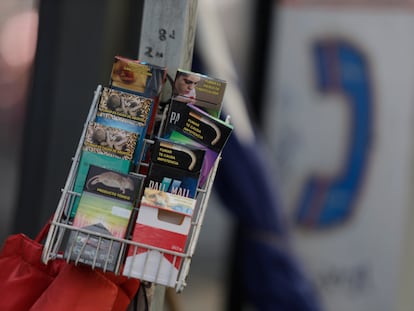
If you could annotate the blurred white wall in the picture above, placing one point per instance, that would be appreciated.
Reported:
(339, 119)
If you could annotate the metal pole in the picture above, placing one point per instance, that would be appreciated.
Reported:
(167, 39)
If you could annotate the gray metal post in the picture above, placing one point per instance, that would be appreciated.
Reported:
(167, 39)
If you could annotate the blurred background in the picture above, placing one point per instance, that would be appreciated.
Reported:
(312, 203)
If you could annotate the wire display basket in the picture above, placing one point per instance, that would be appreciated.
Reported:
(156, 265)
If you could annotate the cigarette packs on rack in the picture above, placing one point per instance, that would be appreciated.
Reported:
(104, 210)
(126, 111)
(105, 146)
(140, 78)
(206, 92)
(125, 105)
(163, 222)
(190, 125)
(175, 167)
(182, 156)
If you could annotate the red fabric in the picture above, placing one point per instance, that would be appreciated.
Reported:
(28, 284)
(23, 277)
(92, 290)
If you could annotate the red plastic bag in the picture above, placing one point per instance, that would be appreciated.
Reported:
(81, 288)
(26, 284)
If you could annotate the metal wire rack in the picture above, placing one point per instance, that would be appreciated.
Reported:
(153, 269)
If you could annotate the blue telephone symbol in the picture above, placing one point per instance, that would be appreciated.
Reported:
(342, 69)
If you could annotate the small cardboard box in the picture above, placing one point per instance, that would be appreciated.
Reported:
(163, 222)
